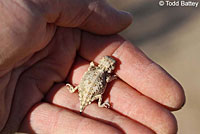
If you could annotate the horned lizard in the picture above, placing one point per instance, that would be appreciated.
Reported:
(94, 82)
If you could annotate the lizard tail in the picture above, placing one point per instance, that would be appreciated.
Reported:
(81, 108)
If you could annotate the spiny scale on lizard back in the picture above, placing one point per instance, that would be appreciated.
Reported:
(92, 83)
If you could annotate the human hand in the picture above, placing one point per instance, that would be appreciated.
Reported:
(39, 54)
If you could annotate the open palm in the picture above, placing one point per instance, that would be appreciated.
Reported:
(39, 55)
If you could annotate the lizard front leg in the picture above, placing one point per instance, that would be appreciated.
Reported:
(110, 78)
(71, 88)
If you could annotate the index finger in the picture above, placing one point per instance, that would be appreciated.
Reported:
(135, 68)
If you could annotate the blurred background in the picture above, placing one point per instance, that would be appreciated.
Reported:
(171, 37)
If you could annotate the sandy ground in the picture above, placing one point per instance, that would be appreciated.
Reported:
(171, 37)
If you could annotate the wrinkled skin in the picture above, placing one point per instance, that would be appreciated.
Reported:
(41, 39)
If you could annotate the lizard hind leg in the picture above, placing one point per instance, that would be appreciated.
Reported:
(71, 88)
(100, 104)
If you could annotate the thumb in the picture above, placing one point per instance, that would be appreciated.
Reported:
(22, 39)
(95, 16)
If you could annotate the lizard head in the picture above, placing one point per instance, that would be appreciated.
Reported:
(107, 63)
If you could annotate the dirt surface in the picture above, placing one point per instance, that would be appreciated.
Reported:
(171, 37)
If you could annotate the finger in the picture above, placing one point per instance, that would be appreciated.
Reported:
(50, 65)
(92, 15)
(135, 68)
(60, 95)
(132, 104)
(46, 118)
